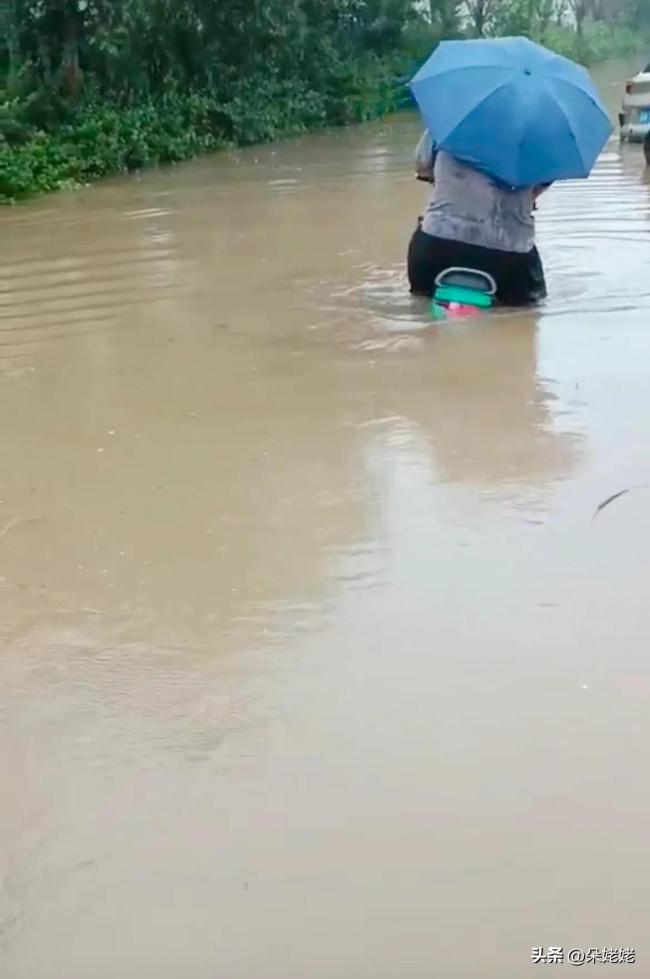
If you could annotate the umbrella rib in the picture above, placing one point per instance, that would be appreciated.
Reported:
(560, 77)
(522, 135)
(480, 98)
(569, 124)
(573, 137)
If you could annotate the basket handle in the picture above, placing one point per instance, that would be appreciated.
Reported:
(484, 275)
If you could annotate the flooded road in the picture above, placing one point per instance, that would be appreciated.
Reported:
(315, 663)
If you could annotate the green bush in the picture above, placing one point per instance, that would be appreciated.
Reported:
(102, 139)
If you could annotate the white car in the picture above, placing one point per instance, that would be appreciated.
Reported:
(635, 117)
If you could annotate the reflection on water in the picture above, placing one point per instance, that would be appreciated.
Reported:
(314, 662)
(475, 398)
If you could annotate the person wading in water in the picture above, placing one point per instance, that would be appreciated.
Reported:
(474, 222)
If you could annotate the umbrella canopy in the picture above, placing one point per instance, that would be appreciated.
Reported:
(512, 109)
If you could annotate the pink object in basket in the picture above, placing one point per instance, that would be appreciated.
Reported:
(461, 309)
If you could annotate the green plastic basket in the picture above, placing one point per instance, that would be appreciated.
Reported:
(466, 297)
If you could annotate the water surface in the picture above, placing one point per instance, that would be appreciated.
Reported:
(314, 662)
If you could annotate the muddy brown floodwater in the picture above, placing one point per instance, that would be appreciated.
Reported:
(314, 662)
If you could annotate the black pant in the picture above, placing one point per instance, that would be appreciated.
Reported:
(519, 275)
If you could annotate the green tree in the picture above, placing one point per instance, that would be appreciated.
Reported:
(446, 16)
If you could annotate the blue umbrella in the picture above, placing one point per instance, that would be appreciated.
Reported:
(512, 109)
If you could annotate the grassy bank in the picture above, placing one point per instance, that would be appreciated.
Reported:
(49, 140)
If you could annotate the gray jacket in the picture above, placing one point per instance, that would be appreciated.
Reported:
(468, 206)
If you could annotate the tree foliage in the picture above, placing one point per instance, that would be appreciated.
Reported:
(92, 86)
(133, 46)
